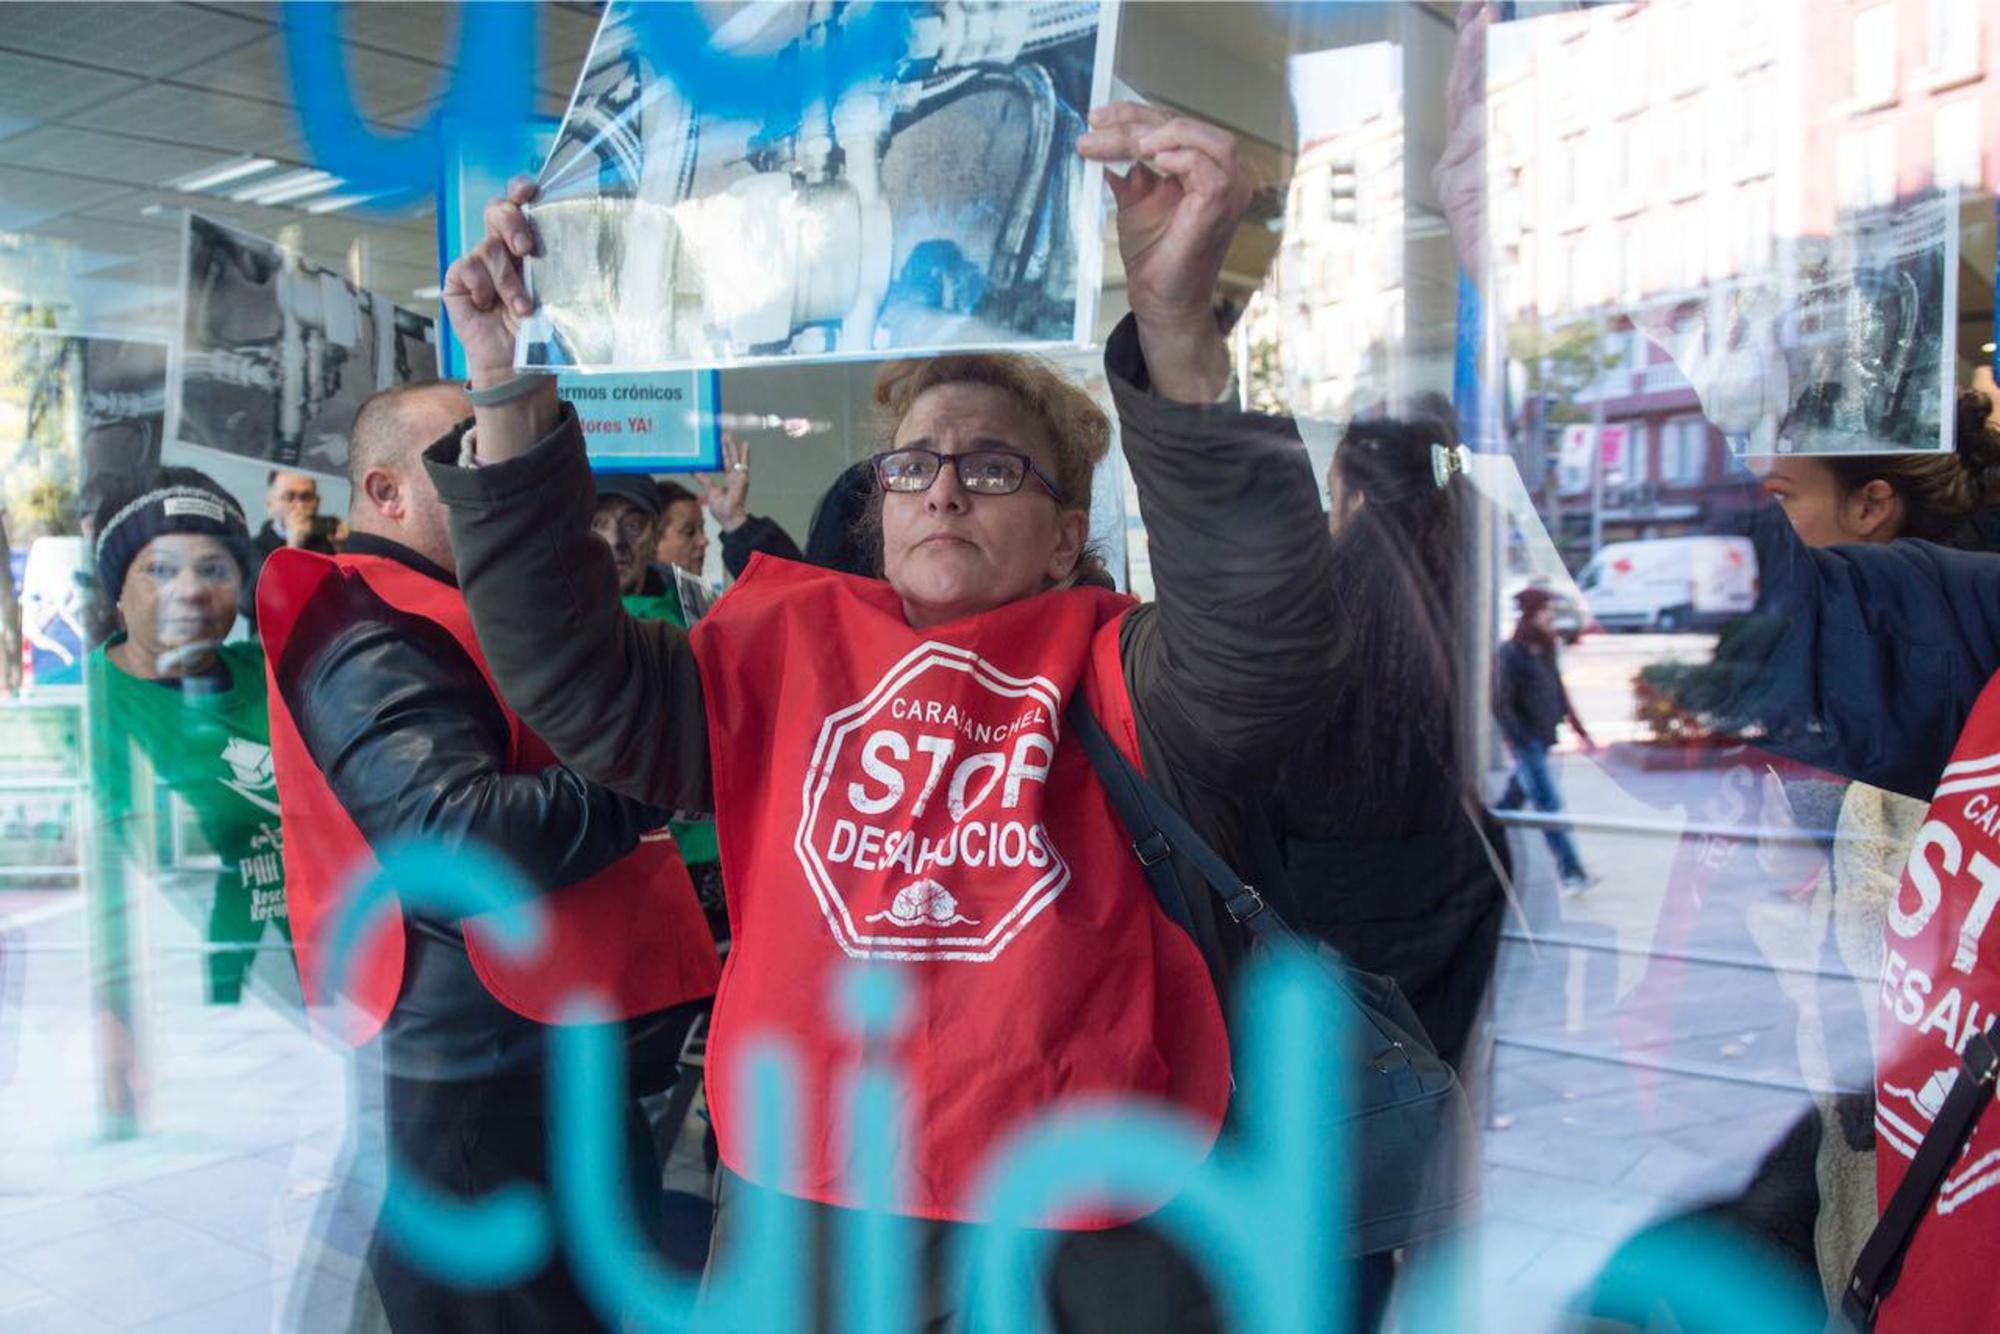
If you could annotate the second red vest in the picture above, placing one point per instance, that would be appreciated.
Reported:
(632, 936)
(906, 796)
(1940, 984)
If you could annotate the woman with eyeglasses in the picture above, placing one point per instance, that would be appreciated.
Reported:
(892, 763)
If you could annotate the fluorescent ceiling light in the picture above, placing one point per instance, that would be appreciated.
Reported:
(208, 178)
(292, 185)
(335, 203)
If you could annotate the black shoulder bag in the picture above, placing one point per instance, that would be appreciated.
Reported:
(1409, 1120)
(1881, 1258)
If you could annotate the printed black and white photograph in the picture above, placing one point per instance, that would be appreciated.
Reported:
(279, 353)
(1844, 347)
(1870, 336)
(813, 180)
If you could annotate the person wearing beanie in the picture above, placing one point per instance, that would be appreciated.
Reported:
(1529, 702)
(173, 706)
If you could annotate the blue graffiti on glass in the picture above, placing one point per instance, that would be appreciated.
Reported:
(505, 1237)
(772, 89)
(758, 1283)
(1261, 1214)
(493, 79)
(491, 94)
(1711, 1277)
(879, 1252)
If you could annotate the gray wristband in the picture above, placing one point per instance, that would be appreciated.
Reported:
(507, 390)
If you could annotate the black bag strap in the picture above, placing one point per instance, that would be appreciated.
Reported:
(1159, 831)
(1881, 1258)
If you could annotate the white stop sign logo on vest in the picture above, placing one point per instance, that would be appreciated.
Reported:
(922, 833)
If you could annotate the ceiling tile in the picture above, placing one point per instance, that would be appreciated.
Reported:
(34, 90)
(567, 32)
(427, 32)
(102, 156)
(191, 116)
(380, 82)
(260, 11)
(28, 197)
(147, 40)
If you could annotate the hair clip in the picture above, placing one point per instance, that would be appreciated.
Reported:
(1445, 462)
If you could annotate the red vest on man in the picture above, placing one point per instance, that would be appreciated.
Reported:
(632, 937)
(884, 793)
(1940, 984)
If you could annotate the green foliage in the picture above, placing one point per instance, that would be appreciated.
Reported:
(1561, 361)
(38, 426)
(1267, 377)
(1717, 699)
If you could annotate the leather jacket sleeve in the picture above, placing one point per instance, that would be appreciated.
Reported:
(618, 699)
(1238, 652)
(413, 745)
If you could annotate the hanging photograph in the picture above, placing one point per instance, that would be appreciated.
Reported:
(1869, 339)
(1846, 349)
(278, 353)
(821, 181)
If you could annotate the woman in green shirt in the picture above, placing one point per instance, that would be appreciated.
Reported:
(173, 707)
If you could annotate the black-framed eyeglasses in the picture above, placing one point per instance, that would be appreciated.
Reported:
(983, 472)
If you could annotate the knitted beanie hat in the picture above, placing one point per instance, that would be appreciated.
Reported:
(176, 500)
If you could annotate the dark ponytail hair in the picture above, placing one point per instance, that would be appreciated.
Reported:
(1942, 494)
(1404, 557)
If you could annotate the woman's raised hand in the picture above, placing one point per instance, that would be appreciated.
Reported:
(1178, 210)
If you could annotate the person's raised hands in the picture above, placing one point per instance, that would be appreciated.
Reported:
(485, 292)
(727, 495)
(1178, 210)
(1178, 207)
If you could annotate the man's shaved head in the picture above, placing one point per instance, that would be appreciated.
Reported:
(387, 431)
(393, 496)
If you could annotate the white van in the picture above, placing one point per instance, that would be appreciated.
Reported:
(1671, 583)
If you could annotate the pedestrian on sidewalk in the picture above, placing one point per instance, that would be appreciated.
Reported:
(1529, 702)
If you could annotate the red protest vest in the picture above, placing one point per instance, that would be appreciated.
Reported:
(632, 936)
(907, 796)
(1940, 984)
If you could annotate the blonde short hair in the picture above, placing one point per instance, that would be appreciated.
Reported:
(1078, 431)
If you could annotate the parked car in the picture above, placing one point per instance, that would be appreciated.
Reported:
(1671, 584)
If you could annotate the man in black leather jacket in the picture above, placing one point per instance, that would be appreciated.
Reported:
(413, 742)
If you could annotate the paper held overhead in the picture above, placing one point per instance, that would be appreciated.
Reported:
(813, 182)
